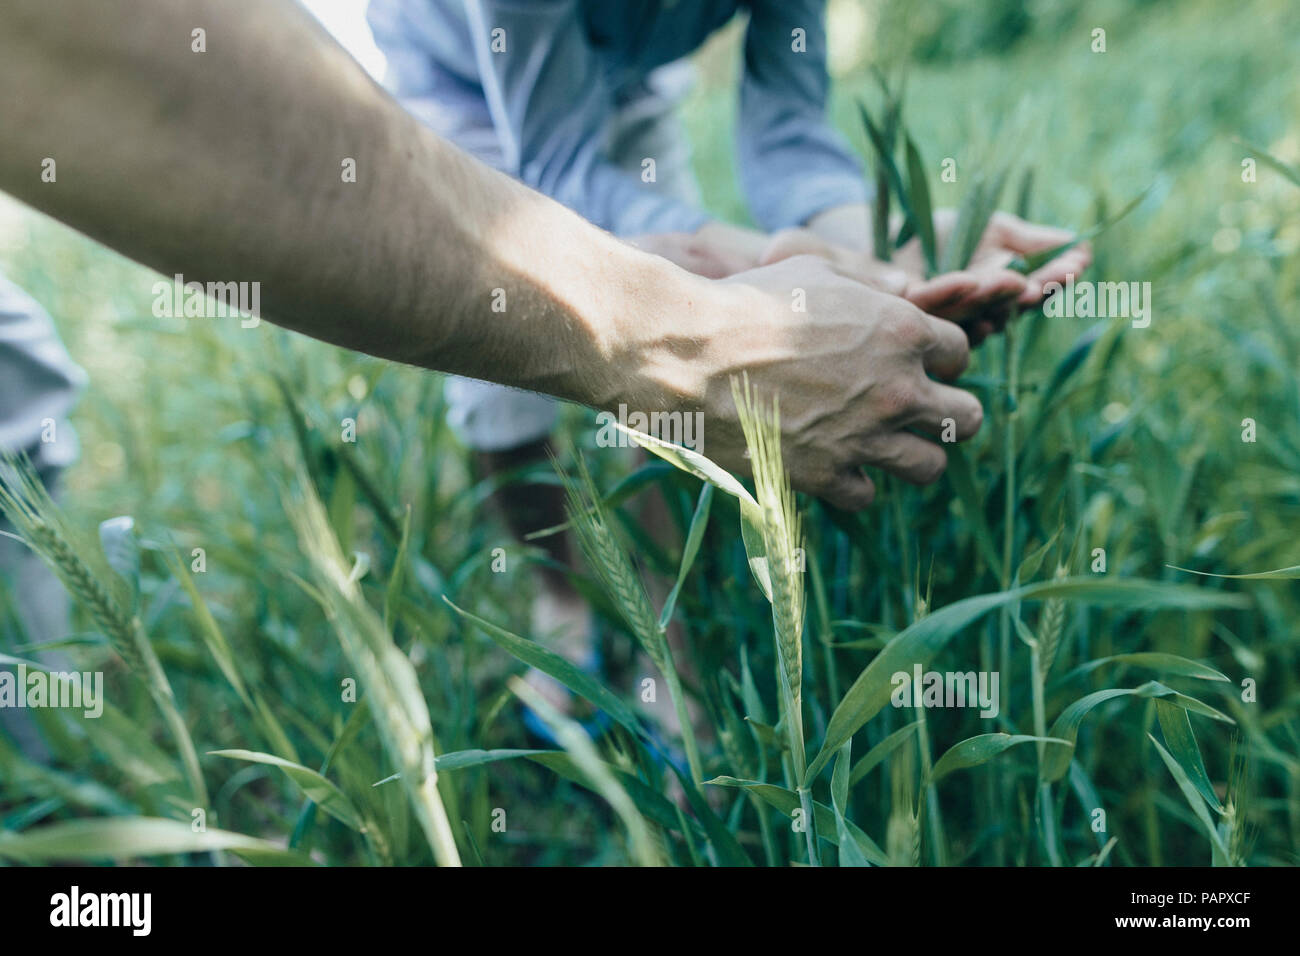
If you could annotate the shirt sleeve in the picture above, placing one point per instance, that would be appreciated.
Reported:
(792, 164)
(38, 381)
(551, 105)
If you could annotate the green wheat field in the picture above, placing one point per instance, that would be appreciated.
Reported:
(310, 648)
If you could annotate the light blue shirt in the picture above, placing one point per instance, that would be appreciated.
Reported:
(39, 382)
(566, 66)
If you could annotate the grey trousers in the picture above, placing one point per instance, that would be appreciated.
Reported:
(38, 384)
(34, 608)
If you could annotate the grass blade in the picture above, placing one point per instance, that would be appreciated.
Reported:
(922, 213)
(567, 673)
(699, 522)
(132, 838)
(919, 642)
(320, 790)
(579, 747)
(1056, 759)
(880, 751)
(1177, 728)
(974, 751)
(1193, 797)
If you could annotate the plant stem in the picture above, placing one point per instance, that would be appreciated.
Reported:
(937, 838)
(161, 691)
(1010, 370)
(1047, 817)
(678, 696)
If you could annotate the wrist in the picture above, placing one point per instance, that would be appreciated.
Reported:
(658, 343)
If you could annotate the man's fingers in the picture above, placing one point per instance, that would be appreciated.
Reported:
(1015, 233)
(998, 292)
(910, 457)
(1002, 285)
(948, 413)
(849, 490)
(1025, 238)
(958, 296)
(943, 295)
(1071, 262)
(948, 352)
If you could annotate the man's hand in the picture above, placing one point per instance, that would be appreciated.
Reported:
(1006, 238)
(850, 373)
(980, 297)
(967, 297)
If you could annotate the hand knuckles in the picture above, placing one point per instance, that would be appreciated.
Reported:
(910, 329)
(898, 399)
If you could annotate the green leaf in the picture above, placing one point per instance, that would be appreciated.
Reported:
(751, 515)
(1024, 195)
(625, 489)
(1089, 799)
(730, 852)
(131, 837)
(885, 155)
(653, 805)
(787, 801)
(397, 576)
(314, 787)
(919, 193)
(567, 673)
(582, 750)
(694, 536)
(1056, 759)
(962, 478)
(880, 751)
(462, 759)
(209, 631)
(691, 462)
(650, 803)
(215, 642)
(973, 215)
(1156, 661)
(951, 257)
(1028, 569)
(1281, 574)
(840, 777)
(918, 643)
(1177, 728)
(974, 751)
(1192, 797)
(850, 853)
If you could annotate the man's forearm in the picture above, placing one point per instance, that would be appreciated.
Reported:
(227, 165)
